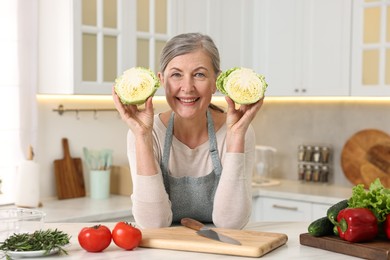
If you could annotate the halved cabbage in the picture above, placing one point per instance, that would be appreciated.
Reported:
(242, 85)
(135, 85)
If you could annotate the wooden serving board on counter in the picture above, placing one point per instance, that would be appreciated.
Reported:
(366, 156)
(375, 250)
(253, 243)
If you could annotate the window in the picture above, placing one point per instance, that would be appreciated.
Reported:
(18, 27)
(9, 106)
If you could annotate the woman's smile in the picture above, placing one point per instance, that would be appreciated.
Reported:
(187, 101)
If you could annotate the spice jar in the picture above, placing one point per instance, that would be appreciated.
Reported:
(316, 174)
(308, 173)
(325, 153)
(301, 153)
(301, 172)
(316, 154)
(308, 153)
(324, 173)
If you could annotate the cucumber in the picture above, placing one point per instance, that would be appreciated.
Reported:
(321, 227)
(334, 210)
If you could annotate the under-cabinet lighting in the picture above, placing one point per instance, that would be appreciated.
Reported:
(222, 99)
(329, 100)
(83, 97)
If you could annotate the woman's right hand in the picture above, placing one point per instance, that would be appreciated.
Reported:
(140, 121)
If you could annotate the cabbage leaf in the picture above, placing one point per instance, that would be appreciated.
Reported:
(135, 85)
(242, 85)
(376, 198)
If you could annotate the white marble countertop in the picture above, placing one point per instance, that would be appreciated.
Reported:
(85, 209)
(291, 250)
(309, 192)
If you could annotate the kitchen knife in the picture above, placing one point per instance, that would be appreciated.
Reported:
(207, 232)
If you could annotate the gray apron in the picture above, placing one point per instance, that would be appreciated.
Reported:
(192, 197)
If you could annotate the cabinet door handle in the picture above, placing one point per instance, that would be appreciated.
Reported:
(284, 207)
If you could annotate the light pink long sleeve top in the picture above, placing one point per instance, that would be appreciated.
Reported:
(151, 206)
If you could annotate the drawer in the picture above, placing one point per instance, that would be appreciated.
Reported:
(284, 210)
(319, 210)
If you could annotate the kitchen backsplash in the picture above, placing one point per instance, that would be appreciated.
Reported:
(283, 124)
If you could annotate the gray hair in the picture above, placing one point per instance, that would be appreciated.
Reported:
(187, 43)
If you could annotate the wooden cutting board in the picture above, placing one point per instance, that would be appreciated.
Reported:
(375, 250)
(366, 156)
(254, 243)
(69, 175)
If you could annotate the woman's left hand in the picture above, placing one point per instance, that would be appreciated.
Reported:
(238, 121)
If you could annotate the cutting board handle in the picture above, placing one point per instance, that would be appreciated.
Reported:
(191, 223)
(65, 146)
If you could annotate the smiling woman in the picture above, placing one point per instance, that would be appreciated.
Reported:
(193, 160)
(18, 74)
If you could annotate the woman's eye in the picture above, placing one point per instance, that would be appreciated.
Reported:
(176, 75)
(199, 75)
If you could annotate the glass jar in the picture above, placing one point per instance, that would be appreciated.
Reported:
(301, 153)
(308, 153)
(316, 174)
(316, 154)
(325, 154)
(308, 173)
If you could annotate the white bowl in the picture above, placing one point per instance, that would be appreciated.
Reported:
(20, 220)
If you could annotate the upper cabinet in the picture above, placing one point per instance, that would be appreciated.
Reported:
(153, 21)
(228, 22)
(84, 45)
(302, 46)
(370, 72)
(153, 29)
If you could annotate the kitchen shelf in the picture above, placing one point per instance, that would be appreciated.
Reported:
(61, 110)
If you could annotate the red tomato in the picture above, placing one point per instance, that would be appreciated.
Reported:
(95, 239)
(126, 236)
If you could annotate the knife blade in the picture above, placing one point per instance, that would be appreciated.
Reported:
(204, 231)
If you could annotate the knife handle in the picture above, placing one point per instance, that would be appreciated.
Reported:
(191, 223)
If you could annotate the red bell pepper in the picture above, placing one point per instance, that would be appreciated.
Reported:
(387, 226)
(357, 224)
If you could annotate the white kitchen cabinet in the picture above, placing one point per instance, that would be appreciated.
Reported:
(79, 54)
(159, 20)
(370, 49)
(303, 47)
(228, 22)
(319, 210)
(277, 209)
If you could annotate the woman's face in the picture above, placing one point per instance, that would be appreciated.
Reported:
(189, 82)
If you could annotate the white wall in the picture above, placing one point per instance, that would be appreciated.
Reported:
(106, 131)
(282, 124)
(287, 124)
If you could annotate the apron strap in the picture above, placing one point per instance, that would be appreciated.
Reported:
(213, 145)
(167, 145)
